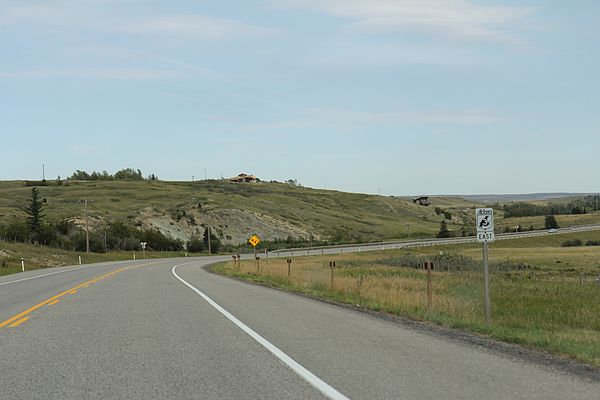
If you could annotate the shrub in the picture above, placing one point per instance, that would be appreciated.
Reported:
(572, 243)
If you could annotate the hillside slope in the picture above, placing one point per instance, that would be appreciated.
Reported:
(235, 211)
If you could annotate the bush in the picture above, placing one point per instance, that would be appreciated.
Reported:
(15, 232)
(572, 243)
(592, 243)
(550, 222)
(196, 245)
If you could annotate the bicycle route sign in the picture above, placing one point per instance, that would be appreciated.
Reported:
(485, 225)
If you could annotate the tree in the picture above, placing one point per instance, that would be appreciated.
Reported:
(34, 212)
(215, 243)
(129, 174)
(550, 222)
(444, 231)
(195, 245)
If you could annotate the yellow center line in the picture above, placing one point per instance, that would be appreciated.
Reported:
(19, 318)
(19, 322)
(54, 302)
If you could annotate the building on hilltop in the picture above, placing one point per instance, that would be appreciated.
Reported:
(244, 178)
(422, 200)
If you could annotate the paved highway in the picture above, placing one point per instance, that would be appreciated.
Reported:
(167, 329)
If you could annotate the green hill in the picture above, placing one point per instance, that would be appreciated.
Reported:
(235, 211)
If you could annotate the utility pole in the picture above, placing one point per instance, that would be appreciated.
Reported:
(205, 177)
(209, 249)
(87, 228)
(43, 172)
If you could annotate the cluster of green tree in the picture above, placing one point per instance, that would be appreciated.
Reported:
(522, 209)
(112, 236)
(444, 231)
(127, 174)
(579, 242)
(447, 214)
(199, 244)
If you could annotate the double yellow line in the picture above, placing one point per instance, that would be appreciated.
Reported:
(24, 316)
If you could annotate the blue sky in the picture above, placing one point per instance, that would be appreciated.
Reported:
(397, 96)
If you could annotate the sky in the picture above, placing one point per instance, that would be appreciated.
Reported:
(398, 97)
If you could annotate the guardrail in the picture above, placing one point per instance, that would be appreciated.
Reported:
(438, 241)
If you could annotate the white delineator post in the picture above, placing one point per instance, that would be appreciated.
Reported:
(22, 265)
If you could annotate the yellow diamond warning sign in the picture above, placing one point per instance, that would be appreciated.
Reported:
(254, 240)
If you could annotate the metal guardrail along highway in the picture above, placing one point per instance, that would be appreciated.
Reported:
(351, 248)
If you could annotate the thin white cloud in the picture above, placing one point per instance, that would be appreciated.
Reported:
(356, 117)
(458, 18)
(95, 73)
(343, 119)
(95, 16)
(192, 25)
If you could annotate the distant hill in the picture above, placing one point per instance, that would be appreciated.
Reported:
(493, 198)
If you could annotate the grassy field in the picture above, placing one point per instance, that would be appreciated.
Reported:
(328, 214)
(543, 296)
(37, 257)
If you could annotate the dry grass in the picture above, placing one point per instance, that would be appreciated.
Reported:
(546, 308)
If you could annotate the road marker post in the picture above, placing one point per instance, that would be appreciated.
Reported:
(485, 234)
(79, 260)
(289, 263)
(429, 267)
(332, 267)
(258, 265)
(22, 265)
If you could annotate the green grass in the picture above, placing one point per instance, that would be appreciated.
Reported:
(551, 306)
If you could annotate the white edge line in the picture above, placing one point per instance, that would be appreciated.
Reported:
(308, 376)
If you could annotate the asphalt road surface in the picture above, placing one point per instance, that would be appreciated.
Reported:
(167, 329)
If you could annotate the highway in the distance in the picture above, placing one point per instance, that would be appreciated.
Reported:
(168, 329)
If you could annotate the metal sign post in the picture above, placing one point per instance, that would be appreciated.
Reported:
(143, 244)
(254, 241)
(485, 234)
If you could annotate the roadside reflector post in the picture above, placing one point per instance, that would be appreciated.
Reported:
(258, 265)
(289, 263)
(332, 267)
(429, 268)
(23, 264)
(79, 260)
(234, 261)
